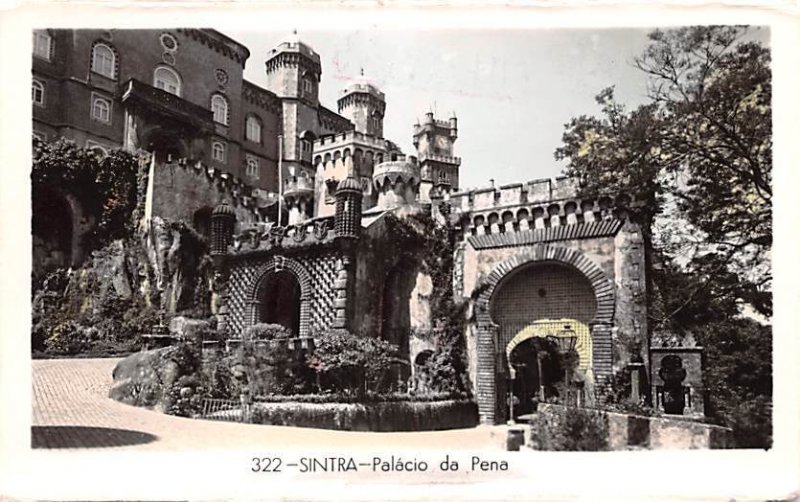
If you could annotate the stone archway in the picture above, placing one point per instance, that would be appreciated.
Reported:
(491, 343)
(281, 271)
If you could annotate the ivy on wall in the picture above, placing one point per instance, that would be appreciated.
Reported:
(420, 239)
(109, 189)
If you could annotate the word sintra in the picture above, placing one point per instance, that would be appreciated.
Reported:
(395, 464)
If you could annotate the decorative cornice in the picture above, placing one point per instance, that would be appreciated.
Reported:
(561, 233)
(261, 97)
(219, 42)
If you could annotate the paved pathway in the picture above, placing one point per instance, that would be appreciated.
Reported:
(71, 409)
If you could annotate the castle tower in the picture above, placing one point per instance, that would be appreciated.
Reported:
(364, 105)
(294, 71)
(434, 141)
(397, 182)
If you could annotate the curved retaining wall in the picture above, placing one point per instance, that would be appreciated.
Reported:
(375, 417)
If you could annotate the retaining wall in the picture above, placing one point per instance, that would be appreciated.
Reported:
(375, 417)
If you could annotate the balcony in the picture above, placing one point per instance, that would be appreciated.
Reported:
(165, 103)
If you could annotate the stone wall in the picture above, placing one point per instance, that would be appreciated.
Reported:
(628, 432)
(179, 190)
(375, 417)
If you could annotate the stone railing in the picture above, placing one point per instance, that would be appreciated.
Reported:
(175, 106)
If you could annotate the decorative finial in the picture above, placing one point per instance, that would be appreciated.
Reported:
(294, 31)
(362, 71)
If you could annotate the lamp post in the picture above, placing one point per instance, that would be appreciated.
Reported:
(512, 373)
(566, 340)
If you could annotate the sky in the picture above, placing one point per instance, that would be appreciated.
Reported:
(512, 90)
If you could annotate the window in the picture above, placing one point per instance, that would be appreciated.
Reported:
(168, 42)
(305, 146)
(168, 80)
(308, 87)
(252, 169)
(219, 106)
(218, 151)
(42, 44)
(103, 60)
(253, 129)
(37, 93)
(101, 109)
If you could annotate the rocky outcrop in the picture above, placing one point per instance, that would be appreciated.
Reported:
(158, 378)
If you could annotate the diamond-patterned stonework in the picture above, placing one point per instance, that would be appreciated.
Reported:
(316, 274)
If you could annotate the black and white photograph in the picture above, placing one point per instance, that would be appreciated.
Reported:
(496, 243)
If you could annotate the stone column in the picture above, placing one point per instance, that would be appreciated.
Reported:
(486, 386)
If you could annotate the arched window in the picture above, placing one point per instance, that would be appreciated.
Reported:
(219, 106)
(103, 60)
(168, 80)
(218, 151)
(252, 167)
(37, 93)
(253, 129)
(101, 109)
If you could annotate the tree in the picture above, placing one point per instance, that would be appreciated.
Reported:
(700, 151)
(698, 156)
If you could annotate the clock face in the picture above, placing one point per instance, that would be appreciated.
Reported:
(221, 76)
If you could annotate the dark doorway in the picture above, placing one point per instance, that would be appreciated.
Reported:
(526, 383)
(52, 230)
(280, 301)
(167, 147)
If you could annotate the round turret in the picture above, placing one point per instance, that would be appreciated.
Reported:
(298, 193)
(348, 208)
(397, 182)
(223, 221)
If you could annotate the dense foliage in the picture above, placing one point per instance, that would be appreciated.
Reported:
(108, 188)
(419, 239)
(699, 155)
(574, 429)
(353, 364)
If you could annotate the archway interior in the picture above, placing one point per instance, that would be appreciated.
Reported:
(280, 301)
(534, 302)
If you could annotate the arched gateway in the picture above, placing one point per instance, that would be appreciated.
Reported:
(525, 299)
(281, 295)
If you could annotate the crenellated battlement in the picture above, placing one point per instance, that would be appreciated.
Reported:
(444, 159)
(349, 137)
(535, 205)
(232, 188)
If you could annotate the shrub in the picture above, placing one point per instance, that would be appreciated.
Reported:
(571, 429)
(353, 364)
(265, 331)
